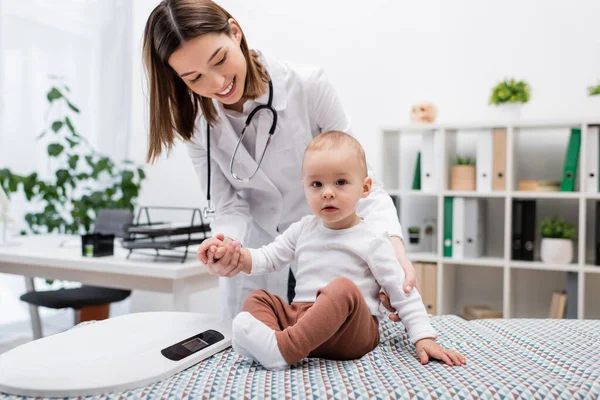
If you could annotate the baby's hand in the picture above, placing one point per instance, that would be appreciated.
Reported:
(213, 244)
(427, 348)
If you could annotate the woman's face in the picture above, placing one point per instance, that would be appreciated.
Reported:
(213, 65)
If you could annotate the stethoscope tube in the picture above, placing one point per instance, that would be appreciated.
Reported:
(209, 210)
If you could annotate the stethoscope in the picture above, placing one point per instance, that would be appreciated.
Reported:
(209, 210)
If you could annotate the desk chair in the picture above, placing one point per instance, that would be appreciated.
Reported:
(107, 222)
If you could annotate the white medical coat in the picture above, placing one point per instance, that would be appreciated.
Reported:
(255, 212)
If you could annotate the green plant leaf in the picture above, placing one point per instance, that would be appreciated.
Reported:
(72, 107)
(57, 125)
(54, 94)
(54, 149)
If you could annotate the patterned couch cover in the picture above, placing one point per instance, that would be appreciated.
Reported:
(507, 359)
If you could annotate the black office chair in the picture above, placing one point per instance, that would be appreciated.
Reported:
(107, 222)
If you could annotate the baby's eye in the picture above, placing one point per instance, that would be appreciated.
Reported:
(341, 182)
(316, 184)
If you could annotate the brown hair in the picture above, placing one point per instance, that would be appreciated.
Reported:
(336, 139)
(173, 106)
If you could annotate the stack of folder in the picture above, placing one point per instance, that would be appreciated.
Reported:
(491, 160)
(463, 227)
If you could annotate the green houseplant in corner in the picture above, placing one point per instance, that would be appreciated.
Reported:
(82, 181)
(557, 241)
(509, 95)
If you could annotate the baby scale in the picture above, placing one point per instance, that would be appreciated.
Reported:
(114, 355)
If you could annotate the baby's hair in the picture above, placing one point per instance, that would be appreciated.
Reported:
(335, 140)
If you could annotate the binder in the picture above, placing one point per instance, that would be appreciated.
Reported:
(426, 275)
(429, 288)
(592, 160)
(448, 209)
(517, 233)
(597, 241)
(528, 229)
(458, 228)
(572, 295)
(484, 162)
(499, 163)
(571, 160)
(474, 216)
(523, 230)
(557, 305)
(416, 184)
(430, 161)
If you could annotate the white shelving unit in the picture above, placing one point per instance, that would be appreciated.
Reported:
(517, 288)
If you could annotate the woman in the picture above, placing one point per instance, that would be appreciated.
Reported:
(204, 82)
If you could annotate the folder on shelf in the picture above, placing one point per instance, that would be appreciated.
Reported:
(426, 274)
(458, 228)
(499, 163)
(416, 184)
(474, 216)
(484, 161)
(572, 289)
(430, 161)
(592, 160)
(597, 238)
(523, 229)
(528, 229)
(557, 305)
(517, 234)
(571, 160)
(448, 209)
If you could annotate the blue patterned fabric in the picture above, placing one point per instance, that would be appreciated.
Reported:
(507, 359)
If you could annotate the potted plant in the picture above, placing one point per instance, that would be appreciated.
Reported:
(593, 104)
(414, 234)
(557, 241)
(509, 95)
(462, 174)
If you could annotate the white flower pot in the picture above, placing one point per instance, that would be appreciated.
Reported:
(509, 112)
(592, 108)
(557, 251)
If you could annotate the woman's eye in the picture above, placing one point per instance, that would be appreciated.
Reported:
(341, 182)
(196, 78)
(222, 60)
(316, 184)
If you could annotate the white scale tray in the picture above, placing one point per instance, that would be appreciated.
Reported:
(114, 355)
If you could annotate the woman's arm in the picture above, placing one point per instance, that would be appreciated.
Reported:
(232, 214)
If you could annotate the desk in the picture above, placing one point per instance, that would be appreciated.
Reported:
(59, 257)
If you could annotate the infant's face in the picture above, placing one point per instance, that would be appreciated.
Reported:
(334, 182)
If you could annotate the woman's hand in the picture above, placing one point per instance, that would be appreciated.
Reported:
(221, 255)
(428, 348)
(410, 280)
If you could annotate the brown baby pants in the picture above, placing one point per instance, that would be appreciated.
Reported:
(337, 326)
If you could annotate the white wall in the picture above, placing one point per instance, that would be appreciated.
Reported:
(384, 55)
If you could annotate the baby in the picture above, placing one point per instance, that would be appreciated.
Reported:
(342, 263)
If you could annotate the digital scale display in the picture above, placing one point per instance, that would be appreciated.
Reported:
(195, 344)
(191, 345)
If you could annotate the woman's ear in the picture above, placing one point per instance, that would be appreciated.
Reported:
(236, 31)
(366, 187)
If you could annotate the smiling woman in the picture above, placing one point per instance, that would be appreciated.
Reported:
(237, 109)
